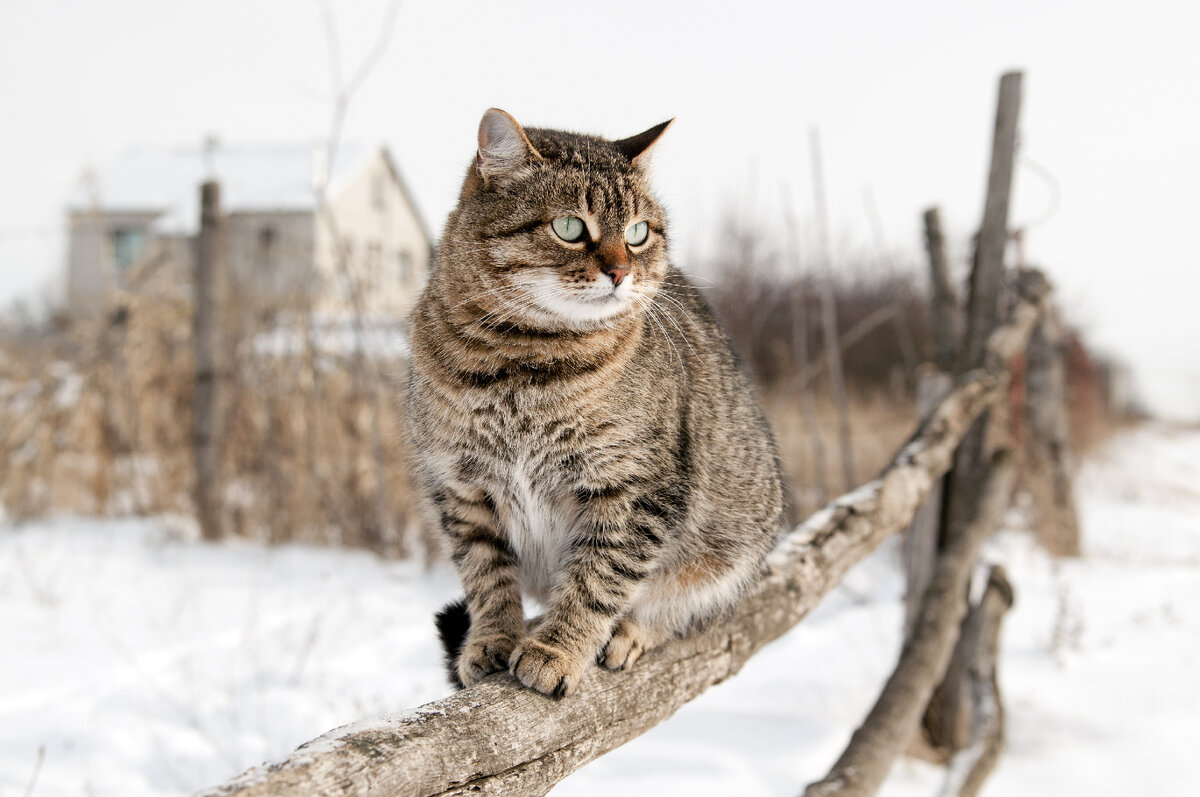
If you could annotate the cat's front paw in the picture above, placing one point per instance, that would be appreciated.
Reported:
(624, 648)
(483, 655)
(629, 641)
(548, 669)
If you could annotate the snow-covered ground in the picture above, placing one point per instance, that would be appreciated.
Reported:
(135, 660)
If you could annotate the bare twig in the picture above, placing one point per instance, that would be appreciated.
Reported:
(829, 330)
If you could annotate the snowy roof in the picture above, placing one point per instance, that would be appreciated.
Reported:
(275, 177)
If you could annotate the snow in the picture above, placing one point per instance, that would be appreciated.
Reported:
(141, 661)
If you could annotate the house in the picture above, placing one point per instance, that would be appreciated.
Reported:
(133, 226)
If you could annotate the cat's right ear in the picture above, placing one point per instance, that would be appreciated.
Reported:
(504, 148)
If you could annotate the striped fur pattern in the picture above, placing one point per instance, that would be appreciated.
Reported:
(586, 438)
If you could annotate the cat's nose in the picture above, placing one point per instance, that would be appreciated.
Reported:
(617, 272)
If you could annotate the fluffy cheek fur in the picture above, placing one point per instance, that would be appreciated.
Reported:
(580, 301)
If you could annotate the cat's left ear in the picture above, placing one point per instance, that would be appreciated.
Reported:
(503, 146)
(637, 148)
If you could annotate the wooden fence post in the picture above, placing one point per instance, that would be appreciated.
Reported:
(933, 382)
(973, 457)
(947, 320)
(206, 433)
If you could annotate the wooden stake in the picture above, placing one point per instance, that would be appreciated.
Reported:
(206, 442)
(973, 458)
(947, 323)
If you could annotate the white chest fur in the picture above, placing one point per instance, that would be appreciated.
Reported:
(539, 521)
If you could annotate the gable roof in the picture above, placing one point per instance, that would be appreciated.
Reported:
(166, 181)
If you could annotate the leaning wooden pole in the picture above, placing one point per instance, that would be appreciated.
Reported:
(498, 738)
(987, 276)
(963, 485)
(984, 302)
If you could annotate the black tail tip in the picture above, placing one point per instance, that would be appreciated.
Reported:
(453, 622)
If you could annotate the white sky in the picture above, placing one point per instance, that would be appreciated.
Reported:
(903, 95)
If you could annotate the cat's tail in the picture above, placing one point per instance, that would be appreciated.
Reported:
(453, 622)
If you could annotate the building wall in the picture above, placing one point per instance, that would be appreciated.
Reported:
(276, 260)
(270, 259)
(385, 253)
(94, 271)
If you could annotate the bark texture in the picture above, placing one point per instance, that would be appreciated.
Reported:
(500, 739)
(974, 663)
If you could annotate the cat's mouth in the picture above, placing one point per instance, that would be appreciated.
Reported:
(576, 304)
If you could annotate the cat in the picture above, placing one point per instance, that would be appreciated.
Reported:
(584, 433)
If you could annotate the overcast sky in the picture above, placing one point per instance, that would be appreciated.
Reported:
(902, 94)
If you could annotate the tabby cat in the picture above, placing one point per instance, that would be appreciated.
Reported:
(584, 434)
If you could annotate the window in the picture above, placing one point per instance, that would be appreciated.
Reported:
(128, 243)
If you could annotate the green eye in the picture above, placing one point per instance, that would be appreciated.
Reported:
(569, 228)
(636, 234)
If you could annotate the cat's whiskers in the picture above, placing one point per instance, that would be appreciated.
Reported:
(667, 296)
(671, 318)
(647, 305)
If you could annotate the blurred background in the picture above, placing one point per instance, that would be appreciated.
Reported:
(809, 140)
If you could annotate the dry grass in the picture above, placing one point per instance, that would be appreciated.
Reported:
(95, 419)
(811, 453)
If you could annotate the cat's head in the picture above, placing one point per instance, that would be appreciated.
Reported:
(556, 230)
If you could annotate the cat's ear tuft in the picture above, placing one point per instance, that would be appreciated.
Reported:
(503, 146)
(637, 148)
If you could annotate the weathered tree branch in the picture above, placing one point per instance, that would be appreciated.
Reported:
(890, 724)
(979, 648)
(498, 738)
